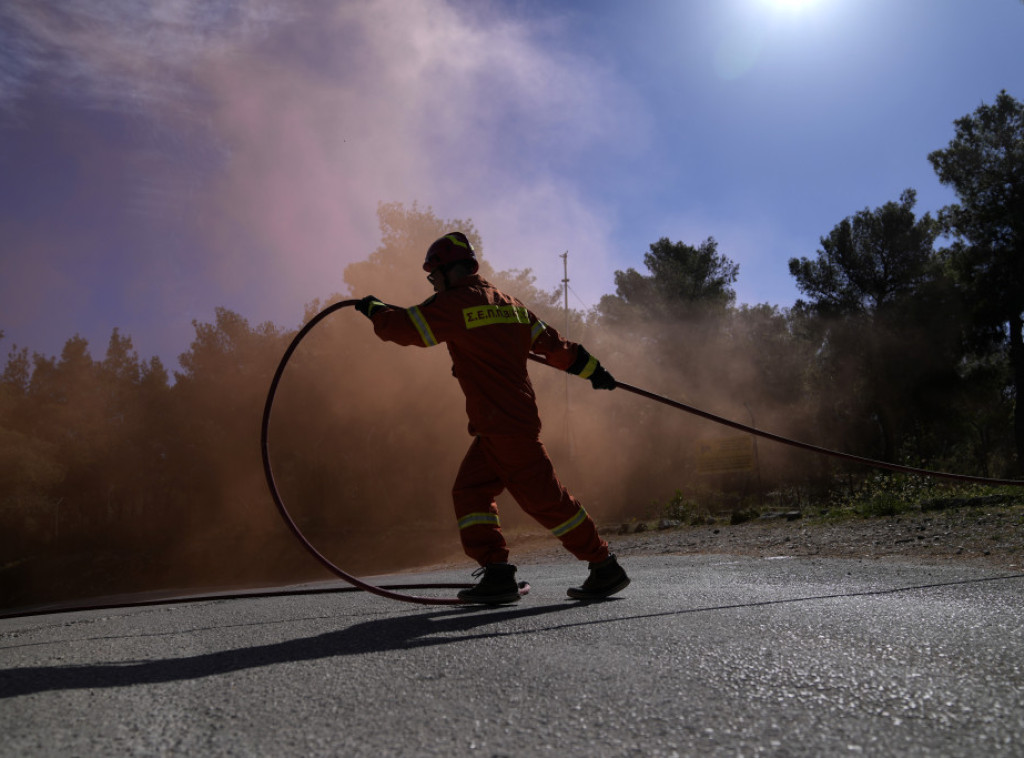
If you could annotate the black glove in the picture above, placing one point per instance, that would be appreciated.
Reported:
(368, 305)
(601, 379)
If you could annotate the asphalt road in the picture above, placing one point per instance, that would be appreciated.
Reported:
(702, 655)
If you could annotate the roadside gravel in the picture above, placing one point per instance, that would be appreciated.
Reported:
(979, 534)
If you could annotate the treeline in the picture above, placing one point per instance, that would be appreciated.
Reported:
(906, 346)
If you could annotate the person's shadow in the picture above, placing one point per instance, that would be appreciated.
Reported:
(394, 633)
(425, 629)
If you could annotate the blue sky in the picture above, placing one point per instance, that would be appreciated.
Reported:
(158, 160)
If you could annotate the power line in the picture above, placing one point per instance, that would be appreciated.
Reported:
(585, 305)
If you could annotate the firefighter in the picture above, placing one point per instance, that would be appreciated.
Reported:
(489, 335)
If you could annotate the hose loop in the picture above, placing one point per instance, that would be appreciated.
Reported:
(269, 473)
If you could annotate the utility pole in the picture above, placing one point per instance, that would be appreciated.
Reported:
(565, 289)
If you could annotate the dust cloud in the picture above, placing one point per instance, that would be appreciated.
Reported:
(370, 434)
(266, 135)
(243, 148)
(366, 438)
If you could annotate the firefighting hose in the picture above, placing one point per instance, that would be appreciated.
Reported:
(807, 446)
(390, 592)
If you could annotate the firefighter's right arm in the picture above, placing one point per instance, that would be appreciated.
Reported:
(570, 357)
(588, 367)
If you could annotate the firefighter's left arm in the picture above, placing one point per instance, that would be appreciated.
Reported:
(390, 322)
(370, 305)
(425, 325)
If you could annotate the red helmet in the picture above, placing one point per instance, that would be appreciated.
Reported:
(454, 247)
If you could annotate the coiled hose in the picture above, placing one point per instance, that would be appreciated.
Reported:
(268, 471)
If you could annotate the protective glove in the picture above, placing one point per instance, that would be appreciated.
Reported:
(368, 305)
(588, 367)
(601, 379)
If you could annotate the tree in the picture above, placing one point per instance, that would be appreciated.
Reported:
(984, 164)
(14, 381)
(219, 394)
(28, 466)
(394, 271)
(868, 261)
(684, 281)
(881, 316)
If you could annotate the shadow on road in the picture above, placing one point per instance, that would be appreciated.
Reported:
(426, 629)
(392, 633)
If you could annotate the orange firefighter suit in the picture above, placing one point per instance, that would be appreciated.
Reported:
(489, 335)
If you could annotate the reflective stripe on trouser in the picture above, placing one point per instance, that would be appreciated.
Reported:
(520, 465)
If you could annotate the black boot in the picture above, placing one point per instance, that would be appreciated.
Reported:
(606, 578)
(497, 587)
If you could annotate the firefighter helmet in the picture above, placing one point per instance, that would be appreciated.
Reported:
(453, 247)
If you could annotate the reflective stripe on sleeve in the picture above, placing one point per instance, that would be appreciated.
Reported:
(422, 326)
(589, 368)
(567, 526)
(537, 330)
(477, 519)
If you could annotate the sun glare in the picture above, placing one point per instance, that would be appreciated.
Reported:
(789, 5)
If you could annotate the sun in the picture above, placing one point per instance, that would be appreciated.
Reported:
(789, 5)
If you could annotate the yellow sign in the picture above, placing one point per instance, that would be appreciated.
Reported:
(725, 455)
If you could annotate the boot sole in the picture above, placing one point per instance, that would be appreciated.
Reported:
(577, 593)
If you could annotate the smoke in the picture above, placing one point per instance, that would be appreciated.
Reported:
(236, 156)
(630, 455)
(419, 103)
(253, 141)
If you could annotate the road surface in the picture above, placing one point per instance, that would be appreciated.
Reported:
(701, 655)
